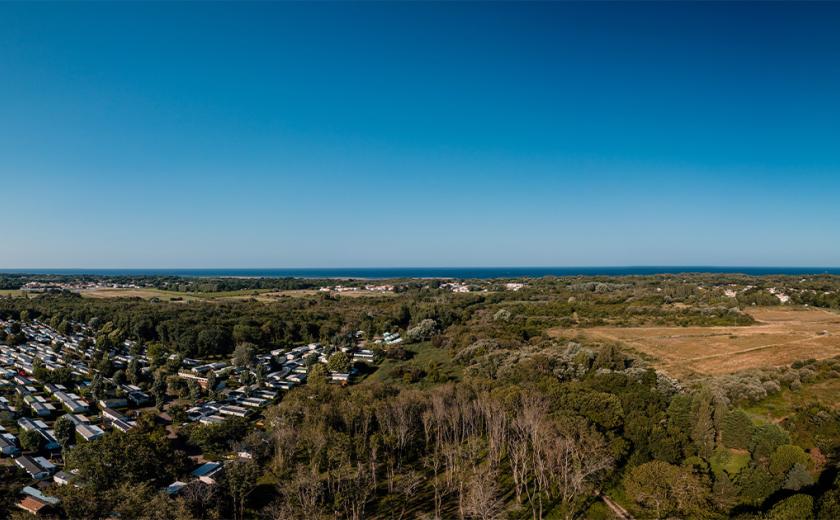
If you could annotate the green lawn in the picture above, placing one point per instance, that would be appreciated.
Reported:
(729, 460)
(424, 356)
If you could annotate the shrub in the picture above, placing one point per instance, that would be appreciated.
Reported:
(423, 331)
(796, 507)
(784, 458)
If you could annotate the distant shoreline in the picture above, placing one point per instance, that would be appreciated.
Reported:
(379, 273)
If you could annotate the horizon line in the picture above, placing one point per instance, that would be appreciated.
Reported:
(19, 270)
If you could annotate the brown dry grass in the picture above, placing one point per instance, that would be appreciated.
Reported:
(244, 295)
(146, 294)
(782, 336)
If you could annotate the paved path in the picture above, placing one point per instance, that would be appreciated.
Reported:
(619, 511)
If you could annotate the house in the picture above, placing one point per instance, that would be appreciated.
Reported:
(72, 402)
(253, 402)
(189, 376)
(113, 403)
(236, 411)
(40, 409)
(62, 478)
(36, 493)
(138, 398)
(84, 429)
(109, 414)
(340, 376)
(33, 505)
(117, 420)
(363, 355)
(47, 465)
(35, 425)
(8, 444)
(208, 472)
(123, 426)
(211, 419)
(32, 466)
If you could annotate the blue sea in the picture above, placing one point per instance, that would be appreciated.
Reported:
(437, 272)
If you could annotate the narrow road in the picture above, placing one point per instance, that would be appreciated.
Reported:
(619, 511)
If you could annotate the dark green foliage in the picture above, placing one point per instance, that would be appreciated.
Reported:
(756, 484)
(765, 439)
(663, 489)
(737, 430)
(796, 507)
(134, 457)
(30, 440)
(785, 457)
(339, 362)
(217, 439)
(828, 506)
(601, 408)
(65, 431)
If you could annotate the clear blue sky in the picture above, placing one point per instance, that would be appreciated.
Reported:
(419, 134)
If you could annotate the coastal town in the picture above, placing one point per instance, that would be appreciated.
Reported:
(53, 382)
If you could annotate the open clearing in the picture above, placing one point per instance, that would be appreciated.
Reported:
(263, 295)
(781, 336)
(146, 294)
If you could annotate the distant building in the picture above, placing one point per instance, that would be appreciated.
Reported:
(208, 472)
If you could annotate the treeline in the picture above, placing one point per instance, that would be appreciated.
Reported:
(172, 283)
(214, 329)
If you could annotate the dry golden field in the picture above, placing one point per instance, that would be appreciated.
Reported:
(261, 295)
(781, 336)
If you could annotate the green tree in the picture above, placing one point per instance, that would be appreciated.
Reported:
(737, 430)
(259, 374)
(339, 362)
(244, 355)
(765, 439)
(703, 429)
(240, 479)
(31, 440)
(724, 492)
(828, 507)
(133, 457)
(211, 381)
(663, 489)
(797, 507)
(422, 331)
(798, 477)
(756, 484)
(82, 502)
(64, 327)
(601, 408)
(156, 354)
(246, 333)
(784, 458)
(65, 431)
(194, 389)
(159, 390)
(119, 377)
(133, 373)
(317, 375)
(217, 439)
